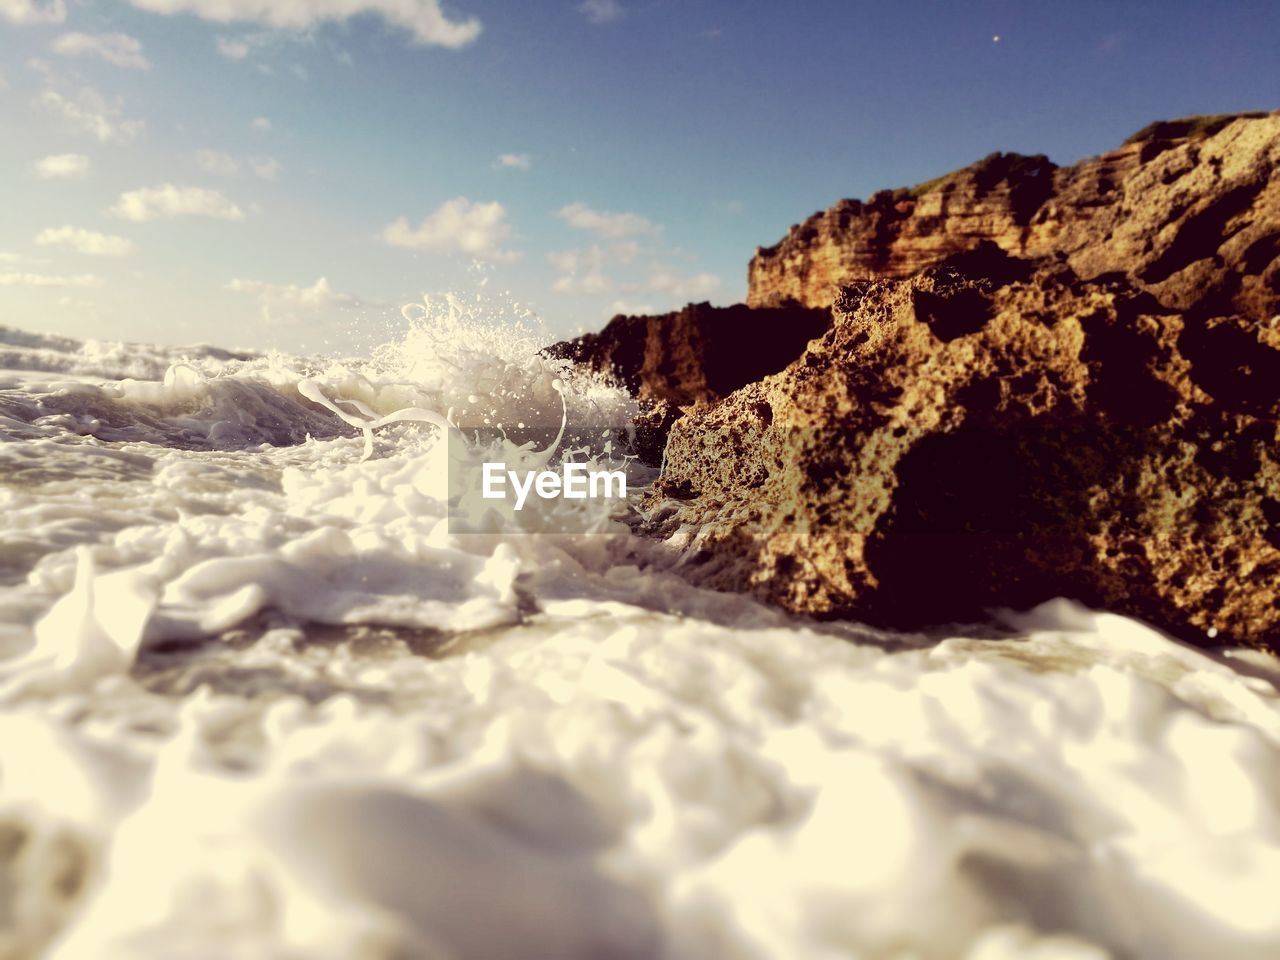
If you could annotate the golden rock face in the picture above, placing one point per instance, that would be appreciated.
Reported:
(995, 433)
(1194, 219)
(1035, 381)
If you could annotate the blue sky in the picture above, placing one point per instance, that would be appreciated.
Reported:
(287, 173)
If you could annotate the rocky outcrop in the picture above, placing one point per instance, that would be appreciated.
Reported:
(1189, 209)
(998, 432)
(698, 354)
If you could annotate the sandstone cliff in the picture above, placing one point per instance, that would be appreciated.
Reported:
(699, 353)
(1038, 381)
(997, 432)
(1189, 209)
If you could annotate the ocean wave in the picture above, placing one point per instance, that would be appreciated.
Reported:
(257, 699)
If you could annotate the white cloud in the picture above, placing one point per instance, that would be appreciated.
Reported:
(268, 168)
(221, 164)
(421, 18)
(261, 123)
(514, 161)
(624, 251)
(93, 113)
(577, 261)
(287, 302)
(457, 226)
(83, 307)
(31, 11)
(41, 66)
(605, 224)
(582, 271)
(48, 280)
(85, 241)
(299, 71)
(167, 200)
(16, 258)
(63, 166)
(686, 288)
(217, 163)
(587, 284)
(117, 48)
(601, 11)
(232, 49)
(630, 309)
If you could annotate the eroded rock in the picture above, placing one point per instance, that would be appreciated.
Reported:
(995, 432)
(695, 355)
(1189, 209)
(699, 353)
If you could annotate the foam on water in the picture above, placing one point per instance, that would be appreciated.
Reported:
(257, 700)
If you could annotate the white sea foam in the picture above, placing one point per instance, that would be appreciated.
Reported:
(257, 700)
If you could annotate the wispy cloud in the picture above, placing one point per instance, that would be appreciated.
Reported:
(232, 48)
(62, 166)
(167, 200)
(459, 225)
(601, 11)
(423, 19)
(605, 224)
(16, 258)
(116, 48)
(630, 309)
(667, 281)
(221, 164)
(585, 271)
(85, 241)
(48, 280)
(513, 161)
(261, 124)
(32, 11)
(582, 270)
(286, 302)
(267, 168)
(587, 284)
(93, 113)
(577, 261)
(217, 163)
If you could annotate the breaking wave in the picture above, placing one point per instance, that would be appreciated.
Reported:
(258, 700)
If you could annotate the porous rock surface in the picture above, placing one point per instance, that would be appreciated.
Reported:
(997, 432)
(1190, 210)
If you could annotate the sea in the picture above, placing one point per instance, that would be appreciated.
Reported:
(263, 697)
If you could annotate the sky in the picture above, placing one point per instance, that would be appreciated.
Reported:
(286, 174)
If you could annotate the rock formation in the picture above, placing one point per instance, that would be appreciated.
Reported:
(1189, 209)
(998, 432)
(700, 353)
(1038, 381)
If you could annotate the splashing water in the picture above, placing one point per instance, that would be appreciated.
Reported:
(258, 699)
